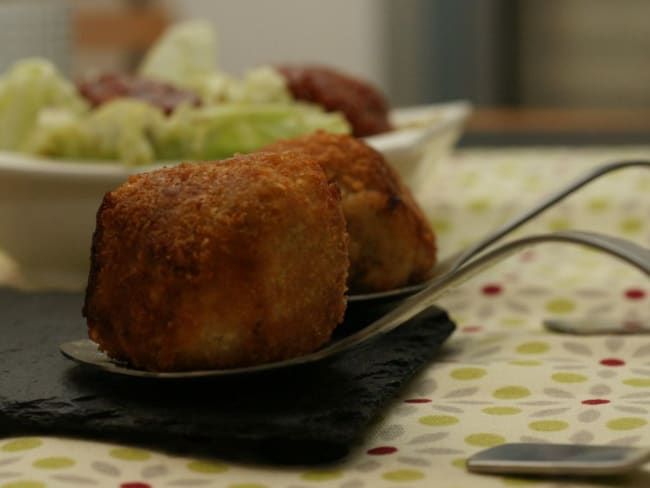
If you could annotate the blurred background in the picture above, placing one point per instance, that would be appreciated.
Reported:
(567, 71)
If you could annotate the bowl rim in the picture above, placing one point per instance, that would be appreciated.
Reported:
(419, 124)
(441, 116)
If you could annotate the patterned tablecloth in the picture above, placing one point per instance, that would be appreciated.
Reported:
(500, 378)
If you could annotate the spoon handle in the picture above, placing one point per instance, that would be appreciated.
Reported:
(595, 326)
(547, 202)
(627, 251)
(458, 259)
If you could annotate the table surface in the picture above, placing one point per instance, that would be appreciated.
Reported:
(500, 378)
(498, 126)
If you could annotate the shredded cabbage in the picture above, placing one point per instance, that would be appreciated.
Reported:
(219, 131)
(29, 87)
(134, 132)
(186, 52)
(121, 130)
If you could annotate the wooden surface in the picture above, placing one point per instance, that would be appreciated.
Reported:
(119, 28)
(559, 120)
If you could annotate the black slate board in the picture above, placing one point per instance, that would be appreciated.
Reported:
(302, 415)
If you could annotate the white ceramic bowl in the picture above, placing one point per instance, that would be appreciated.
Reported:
(48, 207)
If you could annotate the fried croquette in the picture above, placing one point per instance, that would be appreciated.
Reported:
(218, 265)
(391, 242)
(362, 104)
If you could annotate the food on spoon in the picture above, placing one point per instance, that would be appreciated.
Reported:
(363, 105)
(391, 242)
(218, 265)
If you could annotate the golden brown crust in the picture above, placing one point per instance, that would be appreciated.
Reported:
(218, 265)
(391, 242)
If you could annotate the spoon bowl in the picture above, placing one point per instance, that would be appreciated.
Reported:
(86, 352)
(413, 299)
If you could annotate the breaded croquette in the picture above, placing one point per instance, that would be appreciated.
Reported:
(218, 265)
(391, 242)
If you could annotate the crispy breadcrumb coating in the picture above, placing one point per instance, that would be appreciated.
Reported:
(218, 265)
(391, 242)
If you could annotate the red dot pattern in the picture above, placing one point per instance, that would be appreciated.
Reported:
(632, 325)
(612, 362)
(382, 450)
(418, 400)
(135, 484)
(472, 328)
(491, 289)
(635, 294)
(595, 401)
(527, 255)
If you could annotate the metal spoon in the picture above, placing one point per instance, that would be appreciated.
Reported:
(595, 326)
(86, 352)
(456, 260)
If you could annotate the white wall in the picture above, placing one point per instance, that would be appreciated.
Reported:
(348, 34)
